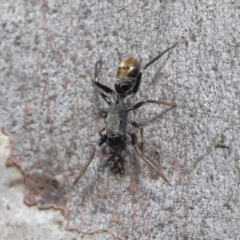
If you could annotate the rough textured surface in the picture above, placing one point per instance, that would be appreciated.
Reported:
(48, 107)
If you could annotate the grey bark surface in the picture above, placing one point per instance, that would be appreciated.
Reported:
(50, 110)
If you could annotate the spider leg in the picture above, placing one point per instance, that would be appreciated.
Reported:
(139, 104)
(137, 125)
(138, 82)
(100, 132)
(103, 95)
(134, 143)
(101, 141)
(157, 57)
(104, 88)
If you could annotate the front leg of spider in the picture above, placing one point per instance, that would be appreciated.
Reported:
(139, 77)
(103, 87)
(135, 145)
(100, 87)
(101, 141)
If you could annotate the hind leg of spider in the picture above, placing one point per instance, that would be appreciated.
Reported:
(135, 143)
(137, 125)
(139, 104)
(101, 141)
(138, 82)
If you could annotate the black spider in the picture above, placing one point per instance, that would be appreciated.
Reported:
(129, 79)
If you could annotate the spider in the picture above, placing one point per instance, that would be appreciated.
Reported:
(129, 76)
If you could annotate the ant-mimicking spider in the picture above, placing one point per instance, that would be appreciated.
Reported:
(129, 76)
